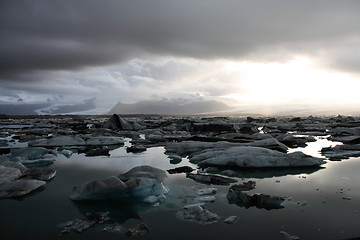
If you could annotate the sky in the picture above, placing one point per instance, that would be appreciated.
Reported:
(244, 52)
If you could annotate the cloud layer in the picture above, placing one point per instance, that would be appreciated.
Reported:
(73, 46)
(58, 34)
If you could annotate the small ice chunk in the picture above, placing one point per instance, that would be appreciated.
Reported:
(230, 220)
(141, 230)
(205, 199)
(80, 225)
(66, 153)
(197, 213)
(175, 159)
(206, 191)
(288, 236)
(303, 203)
(141, 184)
(210, 179)
(183, 169)
(150, 199)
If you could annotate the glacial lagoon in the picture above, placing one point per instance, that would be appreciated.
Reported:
(318, 202)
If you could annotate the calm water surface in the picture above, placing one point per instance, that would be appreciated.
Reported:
(326, 215)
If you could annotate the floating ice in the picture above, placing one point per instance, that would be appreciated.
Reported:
(142, 184)
(80, 225)
(18, 188)
(205, 199)
(210, 179)
(43, 174)
(66, 153)
(105, 140)
(59, 141)
(288, 236)
(8, 174)
(29, 153)
(252, 157)
(245, 186)
(197, 213)
(38, 162)
(190, 148)
(206, 191)
(230, 220)
(246, 200)
(118, 123)
(184, 169)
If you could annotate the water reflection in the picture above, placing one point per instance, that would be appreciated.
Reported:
(122, 161)
(261, 173)
(314, 148)
(118, 212)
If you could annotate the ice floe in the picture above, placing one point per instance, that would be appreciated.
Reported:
(142, 184)
(197, 213)
(254, 157)
(210, 179)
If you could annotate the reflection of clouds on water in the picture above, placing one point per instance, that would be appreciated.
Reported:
(314, 148)
(118, 212)
(122, 161)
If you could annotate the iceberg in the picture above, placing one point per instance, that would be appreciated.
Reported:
(29, 153)
(230, 220)
(197, 213)
(105, 140)
(246, 200)
(210, 179)
(66, 153)
(206, 191)
(254, 157)
(140, 184)
(59, 141)
(8, 174)
(18, 188)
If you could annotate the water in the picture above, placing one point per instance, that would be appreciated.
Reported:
(327, 214)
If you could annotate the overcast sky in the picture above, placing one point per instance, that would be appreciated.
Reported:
(263, 51)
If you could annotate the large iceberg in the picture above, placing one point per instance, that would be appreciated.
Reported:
(8, 174)
(18, 188)
(190, 148)
(253, 157)
(141, 184)
(17, 180)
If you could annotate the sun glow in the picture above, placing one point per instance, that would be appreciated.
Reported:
(298, 80)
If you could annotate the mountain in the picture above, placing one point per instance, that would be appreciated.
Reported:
(48, 108)
(170, 107)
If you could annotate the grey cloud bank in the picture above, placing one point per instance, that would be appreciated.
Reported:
(50, 46)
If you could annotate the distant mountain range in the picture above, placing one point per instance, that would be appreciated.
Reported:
(171, 107)
(23, 108)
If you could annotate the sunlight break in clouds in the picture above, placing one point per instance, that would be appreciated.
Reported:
(298, 80)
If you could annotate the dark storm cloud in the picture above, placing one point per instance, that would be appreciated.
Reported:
(72, 34)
